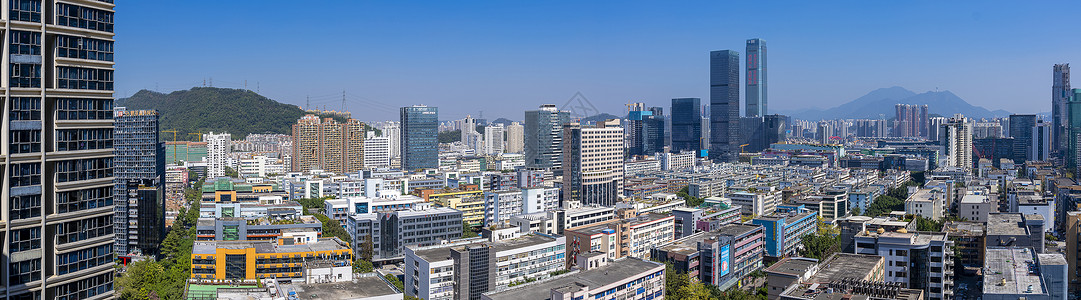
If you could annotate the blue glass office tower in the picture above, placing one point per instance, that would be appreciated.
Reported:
(544, 137)
(756, 78)
(686, 124)
(420, 137)
(724, 105)
(139, 166)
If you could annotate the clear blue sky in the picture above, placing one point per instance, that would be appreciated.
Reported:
(509, 56)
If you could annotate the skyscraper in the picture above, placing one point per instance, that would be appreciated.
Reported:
(59, 160)
(687, 125)
(593, 163)
(956, 139)
(1041, 141)
(544, 137)
(217, 153)
(420, 137)
(911, 121)
(756, 78)
(1060, 94)
(140, 161)
(515, 138)
(645, 130)
(724, 105)
(1073, 135)
(328, 145)
(493, 139)
(1021, 131)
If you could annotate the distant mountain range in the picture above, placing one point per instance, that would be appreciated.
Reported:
(598, 118)
(503, 121)
(880, 104)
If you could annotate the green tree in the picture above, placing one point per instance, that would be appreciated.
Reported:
(447, 137)
(819, 246)
(884, 204)
(331, 227)
(229, 172)
(394, 281)
(689, 200)
(673, 281)
(923, 224)
(467, 231)
(363, 266)
(366, 251)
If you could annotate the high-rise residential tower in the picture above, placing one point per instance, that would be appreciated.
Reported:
(493, 139)
(544, 137)
(955, 135)
(515, 138)
(724, 105)
(328, 145)
(140, 160)
(593, 163)
(1060, 94)
(756, 78)
(58, 213)
(911, 121)
(217, 153)
(687, 125)
(420, 137)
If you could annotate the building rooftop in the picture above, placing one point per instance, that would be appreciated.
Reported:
(688, 244)
(441, 253)
(845, 265)
(615, 271)
(1011, 271)
(963, 228)
(793, 266)
(269, 246)
(975, 199)
(360, 287)
(736, 229)
(1006, 224)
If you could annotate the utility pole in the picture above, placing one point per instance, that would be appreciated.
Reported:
(308, 104)
(343, 101)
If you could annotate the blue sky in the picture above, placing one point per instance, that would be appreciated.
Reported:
(509, 56)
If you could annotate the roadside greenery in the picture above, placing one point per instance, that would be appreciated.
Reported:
(165, 276)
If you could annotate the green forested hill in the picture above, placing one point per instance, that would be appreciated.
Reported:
(204, 109)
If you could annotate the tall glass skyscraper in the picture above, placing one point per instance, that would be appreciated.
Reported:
(58, 180)
(1060, 94)
(420, 137)
(686, 125)
(139, 164)
(544, 136)
(756, 78)
(724, 105)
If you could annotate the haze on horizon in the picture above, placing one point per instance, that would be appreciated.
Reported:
(504, 58)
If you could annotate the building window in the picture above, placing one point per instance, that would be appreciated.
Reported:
(235, 266)
(25, 141)
(26, 10)
(83, 78)
(25, 239)
(25, 42)
(84, 259)
(27, 174)
(25, 108)
(83, 17)
(84, 48)
(84, 109)
(25, 271)
(84, 199)
(84, 169)
(85, 229)
(84, 139)
(27, 75)
(86, 288)
(25, 207)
